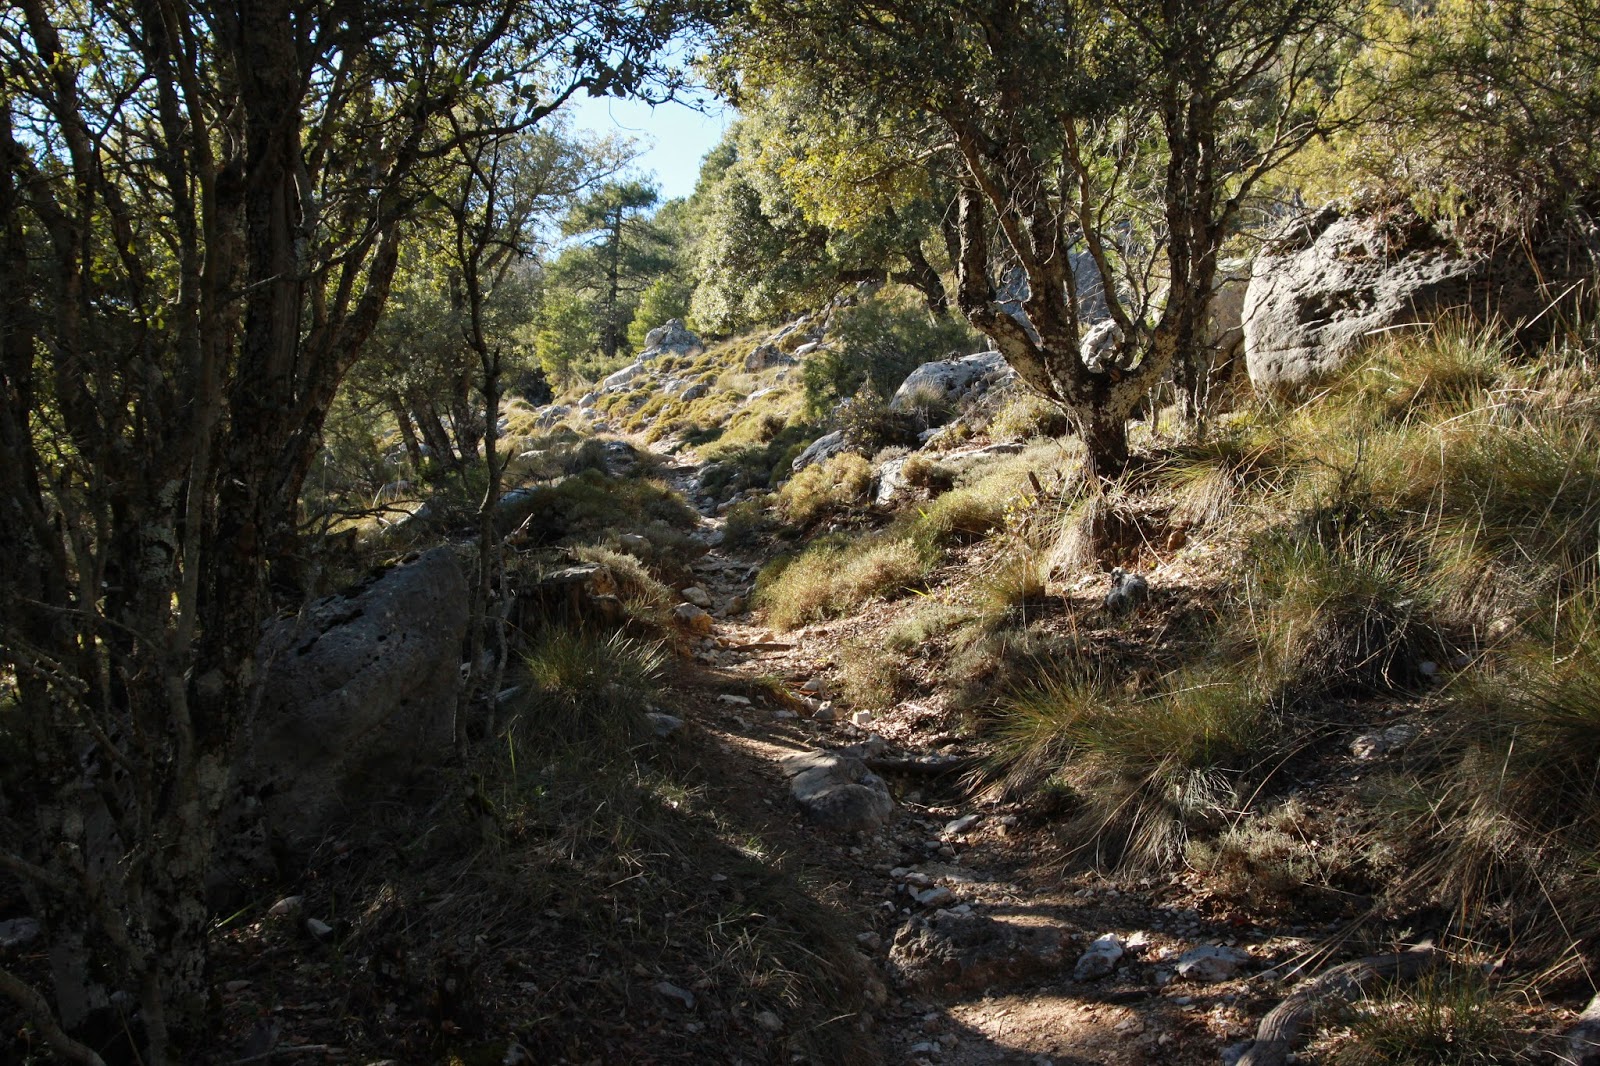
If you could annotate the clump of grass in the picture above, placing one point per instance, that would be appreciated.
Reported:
(1452, 1016)
(1016, 582)
(1336, 612)
(825, 489)
(836, 575)
(1447, 370)
(1247, 453)
(1028, 415)
(962, 515)
(1507, 804)
(1283, 856)
(871, 675)
(930, 621)
(924, 472)
(643, 596)
(1144, 770)
(590, 505)
(586, 689)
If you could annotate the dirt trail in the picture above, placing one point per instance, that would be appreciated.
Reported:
(997, 867)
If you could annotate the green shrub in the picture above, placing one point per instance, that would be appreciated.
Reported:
(1028, 415)
(1334, 612)
(885, 340)
(824, 489)
(586, 689)
(1143, 769)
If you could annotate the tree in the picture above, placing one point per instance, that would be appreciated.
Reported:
(416, 365)
(801, 202)
(615, 254)
(1131, 134)
(202, 205)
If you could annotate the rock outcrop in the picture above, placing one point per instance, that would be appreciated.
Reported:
(948, 382)
(359, 695)
(1334, 282)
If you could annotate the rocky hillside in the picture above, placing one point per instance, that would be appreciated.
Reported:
(866, 729)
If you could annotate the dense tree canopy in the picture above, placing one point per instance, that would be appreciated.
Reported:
(1132, 135)
(204, 206)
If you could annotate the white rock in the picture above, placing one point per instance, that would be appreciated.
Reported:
(734, 701)
(962, 824)
(1211, 962)
(319, 929)
(698, 596)
(861, 718)
(1100, 959)
(935, 897)
(769, 1021)
(287, 906)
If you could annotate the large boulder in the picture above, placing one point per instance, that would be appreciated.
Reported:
(359, 696)
(950, 381)
(1333, 282)
(671, 338)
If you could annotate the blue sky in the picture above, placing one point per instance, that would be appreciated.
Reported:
(674, 137)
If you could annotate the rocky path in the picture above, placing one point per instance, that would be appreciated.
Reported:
(989, 952)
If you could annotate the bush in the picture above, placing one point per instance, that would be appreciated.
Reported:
(1028, 415)
(825, 489)
(586, 689)
(884, 340)
(1340, 613)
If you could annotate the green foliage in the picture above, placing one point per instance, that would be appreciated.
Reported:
(1481, 112)
(1028, 415)
(565, 340)
(821, 490)
(882, 340)
(1142, 769)
(588, 689)
(590, 505)
(1451, 1016)
(1340, 611)
(665, 298)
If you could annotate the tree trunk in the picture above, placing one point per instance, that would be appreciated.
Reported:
(408, 429)
(1105, 439)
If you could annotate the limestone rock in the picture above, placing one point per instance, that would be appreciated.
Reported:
(1211, 962)
(765, 357)
(1101, 958)
(549, 416)
(1333, 282)
(358, 696)
(824, 447)
(671, 338)
(698, 596)
(693, 618)
(948, 953)
(623, 378)
(837, 791)
(949, 381)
